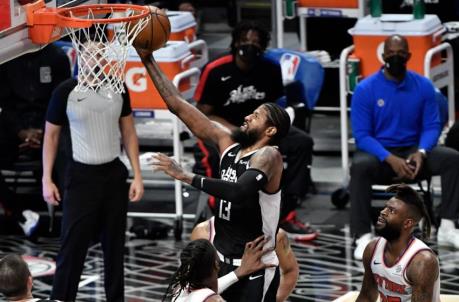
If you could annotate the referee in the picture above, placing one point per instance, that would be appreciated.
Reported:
(95, 191)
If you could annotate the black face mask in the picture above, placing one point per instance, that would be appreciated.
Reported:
(249, 53)
(396, 65)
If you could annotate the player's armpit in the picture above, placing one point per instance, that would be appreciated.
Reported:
(423, 283)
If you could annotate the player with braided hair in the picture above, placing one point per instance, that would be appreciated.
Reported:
(398, 266)
(197, 273)
(196, 279)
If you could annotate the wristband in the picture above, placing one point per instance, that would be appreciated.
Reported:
(226, 281)
(198, 182)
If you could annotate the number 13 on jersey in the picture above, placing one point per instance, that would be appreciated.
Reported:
(225, 210)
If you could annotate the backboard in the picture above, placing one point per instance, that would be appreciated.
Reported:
(14, 36)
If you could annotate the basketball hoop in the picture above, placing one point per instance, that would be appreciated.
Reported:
(101, 55)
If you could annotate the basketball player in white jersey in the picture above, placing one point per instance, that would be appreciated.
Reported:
(248, 191)
(398, 266)
(287, 260)
(196, 278)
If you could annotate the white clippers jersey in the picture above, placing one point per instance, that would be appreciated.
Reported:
(392, 282)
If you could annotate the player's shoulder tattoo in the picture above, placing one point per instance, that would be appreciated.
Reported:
(268, 153)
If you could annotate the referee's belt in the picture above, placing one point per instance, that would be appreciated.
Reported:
(227, 260)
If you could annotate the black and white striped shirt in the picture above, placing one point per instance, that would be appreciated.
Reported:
(93, 118)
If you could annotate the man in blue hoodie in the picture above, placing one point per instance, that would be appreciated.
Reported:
(396, 124)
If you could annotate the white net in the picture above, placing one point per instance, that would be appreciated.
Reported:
(103, 50)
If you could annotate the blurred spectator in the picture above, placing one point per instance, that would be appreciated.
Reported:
(25, 89)
(231, 88)
(26, 84)
(396, 123)
(452, 138)
(12, 140)
(15, 279)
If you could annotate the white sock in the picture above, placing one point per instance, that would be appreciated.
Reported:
(447, 224)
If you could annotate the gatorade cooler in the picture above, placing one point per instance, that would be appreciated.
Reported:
(329, 3)
(183, 26)
(173, 59)
(369, 34)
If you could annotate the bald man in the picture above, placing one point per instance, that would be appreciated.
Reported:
(396, 124)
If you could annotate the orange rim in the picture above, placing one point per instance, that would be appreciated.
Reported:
(47, 24)
(67, 20)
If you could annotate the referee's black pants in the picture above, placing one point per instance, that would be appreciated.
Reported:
(95, 204)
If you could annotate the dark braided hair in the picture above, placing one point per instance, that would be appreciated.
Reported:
(243, 27)
(418, 209)
(197, 262)
(279, 118)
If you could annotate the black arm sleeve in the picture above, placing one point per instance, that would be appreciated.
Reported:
(249, 183)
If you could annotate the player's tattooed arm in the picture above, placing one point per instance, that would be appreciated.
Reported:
(288, 266)
(195, 120)
(423, 283)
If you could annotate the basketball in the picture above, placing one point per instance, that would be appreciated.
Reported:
(156, 33)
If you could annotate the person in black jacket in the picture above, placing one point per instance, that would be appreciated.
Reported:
(26, 84)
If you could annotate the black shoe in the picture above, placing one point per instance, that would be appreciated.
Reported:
(296, 230)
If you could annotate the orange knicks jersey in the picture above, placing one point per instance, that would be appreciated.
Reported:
(393, 284)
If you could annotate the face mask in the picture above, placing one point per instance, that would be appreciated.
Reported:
(249, 53)
(396, 65)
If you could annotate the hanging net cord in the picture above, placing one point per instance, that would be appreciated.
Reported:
(101, 56)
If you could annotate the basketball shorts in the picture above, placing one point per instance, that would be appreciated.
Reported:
(260, 286)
